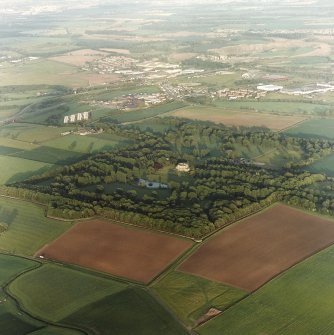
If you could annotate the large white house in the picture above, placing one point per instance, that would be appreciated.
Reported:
(182, 167)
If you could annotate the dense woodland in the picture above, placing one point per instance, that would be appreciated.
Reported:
(220, 188)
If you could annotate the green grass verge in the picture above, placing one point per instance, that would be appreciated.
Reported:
(28, 228)
(189, 296)
(300, 301)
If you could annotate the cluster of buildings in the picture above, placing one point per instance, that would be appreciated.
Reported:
(183, 90)
(76, 117)
(310, 89)
(239, 93)
(135, 69)
(131, 101)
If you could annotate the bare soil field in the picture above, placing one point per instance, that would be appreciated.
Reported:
(132, 253)
(79, 57)
(237, 118)
(252, 252)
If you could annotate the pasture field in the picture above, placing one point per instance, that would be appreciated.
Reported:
(127, 117)
(127, 312)
(280, 107)
(28, 228)
(54, 292)
(299, 302)
(238, 117)
(314, 128)
(324, 165)
(16, 144)
(133, 253)
(96, 304)
(189, 297)
(16, 169)
(48, 72)
(49, 155)
(11, 320)
(253, 251)
(87, 144)
(11, 266)
(31, 133)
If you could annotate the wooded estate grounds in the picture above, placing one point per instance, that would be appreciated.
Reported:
(250, 253)
(122, 251)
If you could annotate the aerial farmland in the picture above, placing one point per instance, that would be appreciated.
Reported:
(166, 168)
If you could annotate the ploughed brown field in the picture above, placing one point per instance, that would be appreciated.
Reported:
(250, 253)
(128, 252)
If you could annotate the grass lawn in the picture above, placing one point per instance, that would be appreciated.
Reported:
(300, 301)
(28, 228)
(189, 296)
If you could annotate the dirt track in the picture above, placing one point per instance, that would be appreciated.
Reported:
(252, 252)
(122, 251)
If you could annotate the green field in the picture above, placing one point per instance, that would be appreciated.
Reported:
(42, 72)
(8, 142)
(12, 321)
(54, 292)
(99, 305)
(299, 302)
(314, 128)
(16, 169)
(131, 311)
(324, 165)
(189, 296)
(279, 107)
(87, 144)
(28, 228)
(31, 133)
(11, 266)
(50, 155)
(134, 116)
